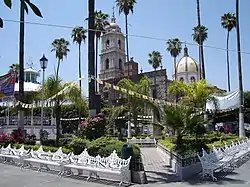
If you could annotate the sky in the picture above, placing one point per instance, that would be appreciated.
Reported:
(161, 20)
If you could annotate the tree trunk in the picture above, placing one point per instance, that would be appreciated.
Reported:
(228, 65)
(80, 80)
(57, 69)
(21, 67)
(58, 117)
(91, 56)
(175, 78)
(203, 63)
(241, 112)
(200, 47)
(96, 62)
(126, 22)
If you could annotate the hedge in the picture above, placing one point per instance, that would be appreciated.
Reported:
(103, 146)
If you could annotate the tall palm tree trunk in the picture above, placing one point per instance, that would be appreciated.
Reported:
(58, 116)
(241, 113)
(228, 65)
(129, 116)
(203, 63)
(200, 47)
(57, 69)
(21, 66)
(96, 61)
(175, 69)
(126, 22)
(80, 76)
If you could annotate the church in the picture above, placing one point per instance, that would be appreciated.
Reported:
(113, 68)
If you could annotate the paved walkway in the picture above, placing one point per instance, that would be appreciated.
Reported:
(156, 166)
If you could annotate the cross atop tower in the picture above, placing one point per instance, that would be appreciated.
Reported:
(113, 15)
(30, 63)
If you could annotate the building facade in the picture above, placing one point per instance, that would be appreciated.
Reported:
(113, 68)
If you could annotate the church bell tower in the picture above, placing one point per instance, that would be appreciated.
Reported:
(112, 57)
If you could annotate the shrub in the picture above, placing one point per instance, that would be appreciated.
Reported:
(78, 145)
(93, 128)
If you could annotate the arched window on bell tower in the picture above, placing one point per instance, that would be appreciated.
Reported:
(119, 44)
(107, 64)
(192, 79)
(107, 44)
(120, 64)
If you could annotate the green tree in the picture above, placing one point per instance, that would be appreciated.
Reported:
(101, 21)
(25, 4)
(126, 6)
(200, 35)
(53, 85)
(79, 35)
(60, 47)
(155, 60)
(228, 22)
(195, 94)
(174, 48)
(137, 104)
(182, 119)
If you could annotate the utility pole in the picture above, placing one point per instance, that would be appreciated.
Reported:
(241, 112)
(21, 66)
(91, 57)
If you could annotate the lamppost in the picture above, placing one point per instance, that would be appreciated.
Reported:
(43, 63)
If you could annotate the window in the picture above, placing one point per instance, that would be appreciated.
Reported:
(192, 79)
(107, 44)
(107, 64)
(154, 93)
(120, 64)
(181, 79)
(119, 44)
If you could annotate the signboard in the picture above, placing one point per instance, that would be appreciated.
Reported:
(7, 85)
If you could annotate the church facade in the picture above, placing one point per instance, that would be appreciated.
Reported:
(113, 68)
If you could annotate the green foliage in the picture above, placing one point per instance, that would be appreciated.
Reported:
(174, 47)
(195, 94)
(33, 7)
(228, 21)
(202, 31)
(192, 145)
(78, 34)
(155, 59)
(78, 145)
(125, 6)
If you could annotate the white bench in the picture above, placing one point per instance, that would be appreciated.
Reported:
(13, 155)
(143, 142)
(94, 166)
(225, 157)
(46, 159)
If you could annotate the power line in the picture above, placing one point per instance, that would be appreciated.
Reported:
(132, 35)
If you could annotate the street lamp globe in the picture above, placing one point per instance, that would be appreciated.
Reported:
(44, 62)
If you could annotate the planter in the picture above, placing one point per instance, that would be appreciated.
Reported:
(139, 177)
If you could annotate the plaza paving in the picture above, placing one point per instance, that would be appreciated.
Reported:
(12, 176)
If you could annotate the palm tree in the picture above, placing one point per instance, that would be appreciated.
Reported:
(15, 67)
(199, 38)
(51, 87)
(200, 35)
(241, 112)
(126, 6)
(194, 95)
(79, 35)
(101, 21)
(183, 121)
(155, 59)
(137, 104)
(228, 22)
(174, 48)
(60, 46)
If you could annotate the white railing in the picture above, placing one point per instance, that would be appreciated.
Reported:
(223, 158)
(143, 141)
(111, 166)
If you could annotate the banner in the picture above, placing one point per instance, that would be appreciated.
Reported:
(7, 85)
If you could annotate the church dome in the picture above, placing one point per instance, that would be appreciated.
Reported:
(113, 25)
(186, 63)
